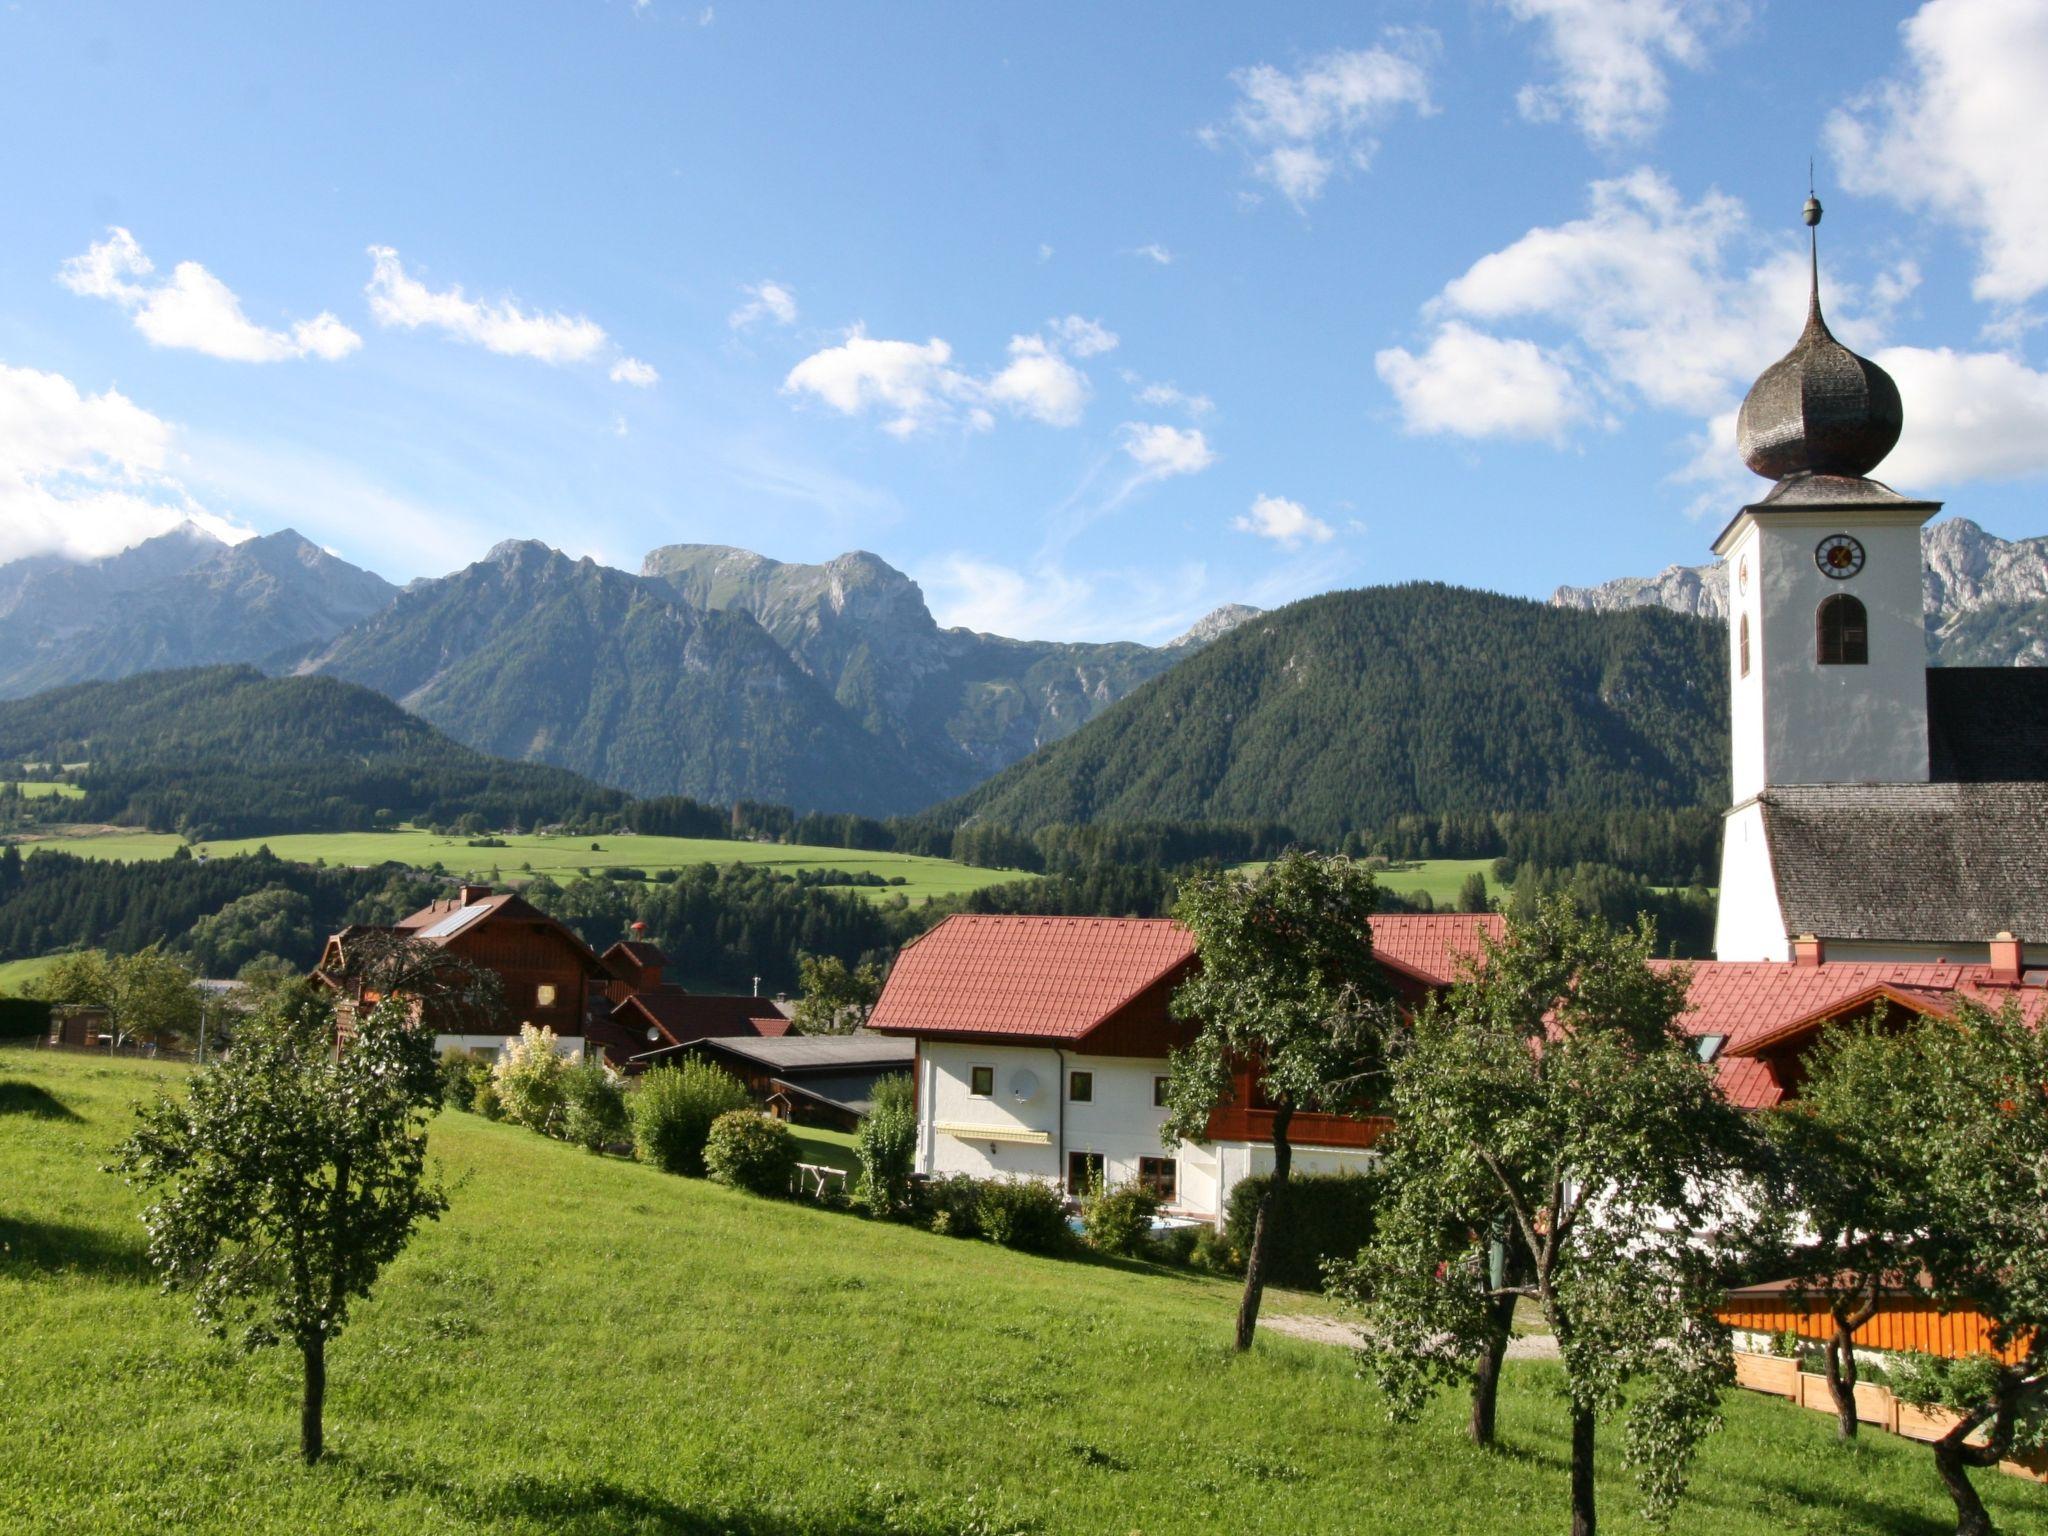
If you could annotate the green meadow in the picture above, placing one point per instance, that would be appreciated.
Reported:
(584, 1345)
(45, 789)
(16, 974)
(564, 858)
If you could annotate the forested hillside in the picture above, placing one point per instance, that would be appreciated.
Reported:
(1348, 710)
(219, 752)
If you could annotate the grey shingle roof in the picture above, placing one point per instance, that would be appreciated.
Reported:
(1924, 863)
(1987, 724)
(815, 1053)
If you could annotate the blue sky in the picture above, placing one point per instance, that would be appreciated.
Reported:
(1090, 318)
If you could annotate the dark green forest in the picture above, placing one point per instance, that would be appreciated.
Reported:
(1343, 712)
(220, 752)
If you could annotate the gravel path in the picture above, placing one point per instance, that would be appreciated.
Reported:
(1331, 1330)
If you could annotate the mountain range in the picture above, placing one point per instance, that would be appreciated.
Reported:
(1986, 597)
(714, 673)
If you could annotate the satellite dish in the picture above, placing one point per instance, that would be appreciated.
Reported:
(653, 1033)
(1023, 1086)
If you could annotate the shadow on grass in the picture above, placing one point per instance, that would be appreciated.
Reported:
(598, 1506)
(1869, 1515)
(34, 1100)
(55, 1248)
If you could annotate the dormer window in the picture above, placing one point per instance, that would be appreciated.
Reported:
(1841, 633)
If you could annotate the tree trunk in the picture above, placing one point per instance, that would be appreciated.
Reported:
(1486, 1376)
(312, 1440)
(1972, 1519)
(1262, 1229)
(1582, 1470)
(1840, 1366)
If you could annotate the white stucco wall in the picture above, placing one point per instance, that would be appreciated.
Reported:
(1796, 721)
(570, 1046)
(1748, 922)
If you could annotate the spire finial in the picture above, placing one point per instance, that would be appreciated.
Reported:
(1811, 213)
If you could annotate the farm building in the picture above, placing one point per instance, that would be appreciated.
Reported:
(826, 1080)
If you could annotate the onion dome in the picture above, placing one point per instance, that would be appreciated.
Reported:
(1819, 409)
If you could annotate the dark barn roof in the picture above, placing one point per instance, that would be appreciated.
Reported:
(1987, 724)
(1920, 863)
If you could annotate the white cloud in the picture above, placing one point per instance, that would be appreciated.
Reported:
(1161, 451)
(194, 310)
(85, 475)
(1962, 135)
(1610, 58)
(1300, 129)
(1082, 337)
(1287, 523)
(1049, 601)
(914, 384)
(631, 370)
(1155, 253)
(766, 300)
(399, 299)
(1044, 252)
(1969, 416)
(1470, 384)
(1168, 396)
(1040, 383)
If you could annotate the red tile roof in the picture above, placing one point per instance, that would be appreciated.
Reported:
(1431, 946)
(1749, 1002)
(1057, 978)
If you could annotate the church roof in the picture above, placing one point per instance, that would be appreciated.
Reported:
(1916, 863)
(1987, 724)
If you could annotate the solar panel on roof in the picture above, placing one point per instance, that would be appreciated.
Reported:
(454, 922)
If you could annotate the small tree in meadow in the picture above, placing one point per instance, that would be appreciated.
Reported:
(1554, 1087)
(672, 1111)
(529, 1076)
(1954, 1114)
(837, 998)
(1287, 987)
(287, 1177)
(886, 1143)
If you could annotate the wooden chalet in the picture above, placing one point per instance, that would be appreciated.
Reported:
(646, 1014)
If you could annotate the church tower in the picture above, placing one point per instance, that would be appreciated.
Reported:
(1827, 647)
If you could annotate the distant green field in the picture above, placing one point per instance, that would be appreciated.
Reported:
(16, 974)
(43, 789)
(1439, 877)
(565, 858)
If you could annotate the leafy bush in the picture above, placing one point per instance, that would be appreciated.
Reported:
(529, 1076)
(1023, 1213)
(949, 1206)
(1326, 1216)
(1119, 1220)
(886, 1143)
(595, 1106)
(487, 1101)
(672, 1112)
(751, 1151)
(462, 1074)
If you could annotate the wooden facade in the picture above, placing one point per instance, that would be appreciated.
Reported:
(1903, 1323)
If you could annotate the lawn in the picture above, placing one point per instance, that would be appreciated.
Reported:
(44, 789)
(565, 858)
(586, 1346)
(16, 974)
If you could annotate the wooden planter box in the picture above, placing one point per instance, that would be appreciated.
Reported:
(1874, 1404)
(1775, 1374)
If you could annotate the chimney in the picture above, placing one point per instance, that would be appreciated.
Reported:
(472, 894)
(2008, 959)
(1806, 950)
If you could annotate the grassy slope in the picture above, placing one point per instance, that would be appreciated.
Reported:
(16, 974)
(43, 789)
(561, 857)
(592, 1347)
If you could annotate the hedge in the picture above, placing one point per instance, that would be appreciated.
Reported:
(23, 1018)
(1324, 1216)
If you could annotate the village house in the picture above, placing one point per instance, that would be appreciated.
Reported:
(822, 1080)
(1042, 1046)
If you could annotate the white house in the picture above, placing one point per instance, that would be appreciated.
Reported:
(1042, 1047)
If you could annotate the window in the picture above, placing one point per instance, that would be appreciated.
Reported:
(1841, 633)
(981, 1082)
(1161, 1175)
(1081, 1087)
(1709, 1046)
(544, 995)
(1159, 1091)
(1742, 643)
(1084, 1172)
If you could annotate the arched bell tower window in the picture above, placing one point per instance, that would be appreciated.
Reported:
(1742, 643)
(1841, 632)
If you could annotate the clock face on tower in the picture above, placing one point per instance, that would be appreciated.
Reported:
(1838, 556)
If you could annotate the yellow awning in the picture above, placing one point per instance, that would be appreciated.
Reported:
(968, 1131)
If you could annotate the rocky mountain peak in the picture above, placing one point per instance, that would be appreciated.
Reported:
(1214, 623)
